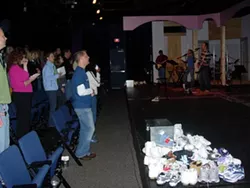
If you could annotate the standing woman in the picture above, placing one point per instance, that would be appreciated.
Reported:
(20, 82)
(93, 73)
(189, 74)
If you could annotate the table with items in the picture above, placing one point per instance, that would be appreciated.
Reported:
(177, 158)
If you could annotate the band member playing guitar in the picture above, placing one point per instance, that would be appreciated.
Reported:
(204, 70)
(161, 64)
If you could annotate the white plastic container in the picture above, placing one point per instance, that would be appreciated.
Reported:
(130, 83)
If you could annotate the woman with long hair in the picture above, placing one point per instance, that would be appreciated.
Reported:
(21, 84)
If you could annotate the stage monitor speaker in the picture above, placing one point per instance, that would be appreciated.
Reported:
(117, 68)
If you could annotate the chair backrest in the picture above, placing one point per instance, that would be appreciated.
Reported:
(58, 119)
(68, 90)
(66, 113)
(12, 167)
(32, 148)
(39, 97)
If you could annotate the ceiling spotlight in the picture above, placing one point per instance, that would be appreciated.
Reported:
(24, 7)
(72, 6)
(101, 18)
(94, 2)
(98, 11)
(75, 2)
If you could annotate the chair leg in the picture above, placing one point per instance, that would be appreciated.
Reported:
(72, 154)
(63, 180)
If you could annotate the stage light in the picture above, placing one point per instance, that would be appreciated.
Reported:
(24, 7)
(101, 18)
(116, 40)
(98, 11)
(94, 2)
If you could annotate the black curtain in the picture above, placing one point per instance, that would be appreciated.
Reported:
(138, 51)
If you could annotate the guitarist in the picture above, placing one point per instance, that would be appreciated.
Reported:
(161, 64)
(204, 73)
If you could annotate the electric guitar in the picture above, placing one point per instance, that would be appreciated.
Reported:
(200, 62)
(158, 65)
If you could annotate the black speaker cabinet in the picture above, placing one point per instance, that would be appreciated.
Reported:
(117, 68)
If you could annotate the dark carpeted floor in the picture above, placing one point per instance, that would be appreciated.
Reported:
(224, 123)
(115, 165)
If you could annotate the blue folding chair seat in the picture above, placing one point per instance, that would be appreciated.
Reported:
(33, 152)
(14, 171)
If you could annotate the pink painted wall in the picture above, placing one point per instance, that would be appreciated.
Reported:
(190, 22)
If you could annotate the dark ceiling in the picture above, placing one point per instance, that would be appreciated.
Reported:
(53, 20)
(60, 10)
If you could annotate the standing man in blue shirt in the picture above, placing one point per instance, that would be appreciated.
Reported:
(50, 77)
(82, 103)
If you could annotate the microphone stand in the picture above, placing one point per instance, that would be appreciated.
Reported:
(184, 55)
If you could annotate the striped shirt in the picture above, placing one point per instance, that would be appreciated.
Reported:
(205, 58)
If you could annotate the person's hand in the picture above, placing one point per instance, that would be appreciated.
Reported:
(63, 90)
(24, 62)
(38, 70)
(98, 70)
(93, 93)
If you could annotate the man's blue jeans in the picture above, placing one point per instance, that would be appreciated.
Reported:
(162, 72)
(87, 128)
(4, 129)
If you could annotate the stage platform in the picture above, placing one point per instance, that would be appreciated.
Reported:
(219, 116)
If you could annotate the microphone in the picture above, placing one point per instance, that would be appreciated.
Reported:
(182, 56)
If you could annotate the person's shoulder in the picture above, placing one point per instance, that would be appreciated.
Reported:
(78, 72)
(14, 68)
